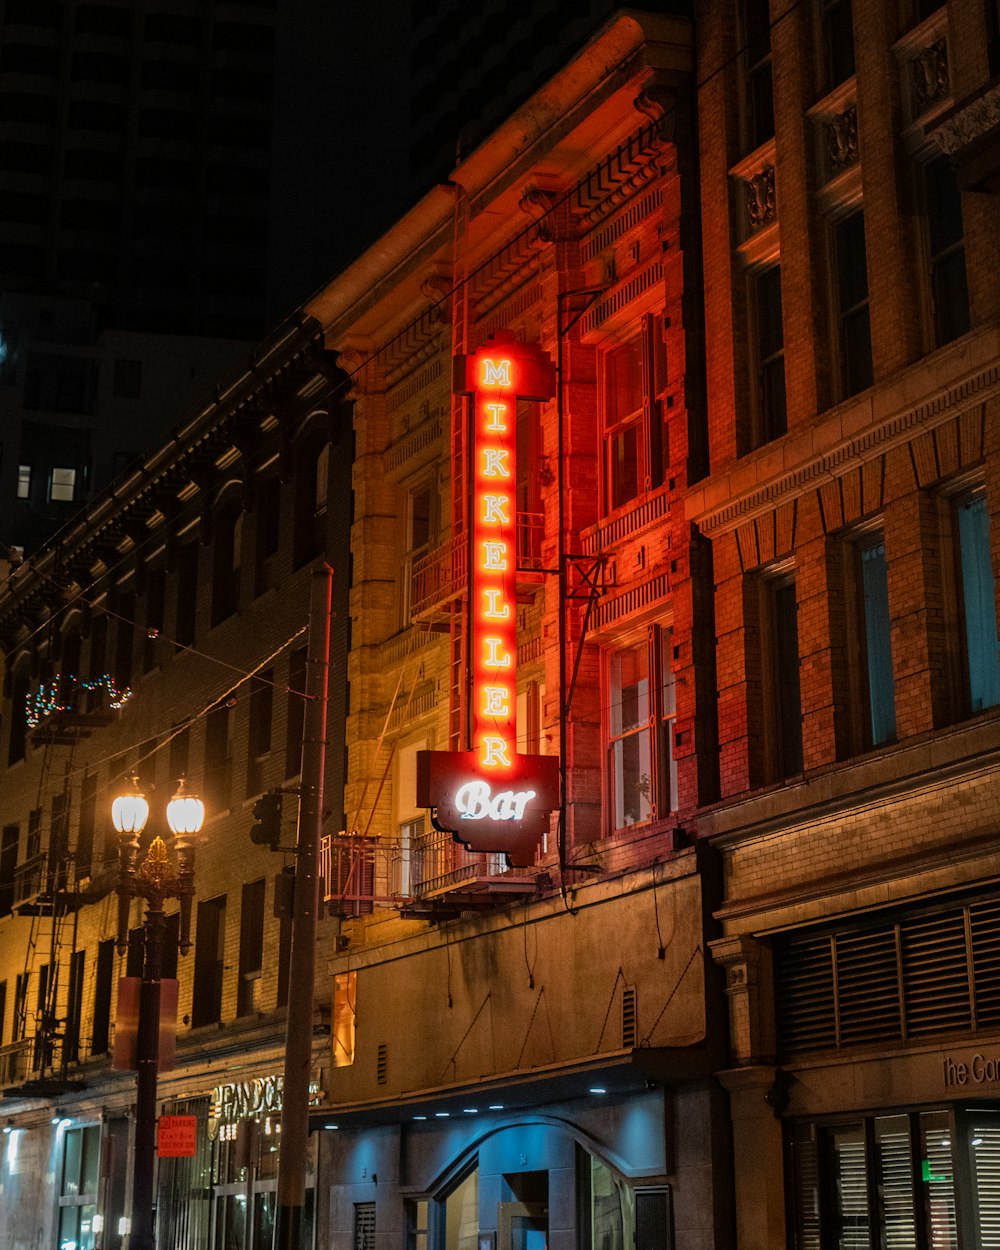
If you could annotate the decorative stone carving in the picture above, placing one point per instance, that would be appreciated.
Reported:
(435, 287)
(842, 139)
(539, 204)
(761, 204)
(929, 69)
(659, 104)
(968, 122)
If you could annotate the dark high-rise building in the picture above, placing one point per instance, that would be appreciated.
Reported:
(134, 154)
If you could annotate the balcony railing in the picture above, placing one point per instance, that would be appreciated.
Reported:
(360, 873)
(31, 878)
(439, 577)
(15, 1062)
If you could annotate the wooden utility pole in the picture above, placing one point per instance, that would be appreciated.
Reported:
(302, 959)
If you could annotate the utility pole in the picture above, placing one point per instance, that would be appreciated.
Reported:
(302, 960)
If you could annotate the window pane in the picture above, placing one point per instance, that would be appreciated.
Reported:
(878, 650)
(63, 484)
(939, 1180)
(984, 1138)
(623, 450)
(624, 381)
(629, 690)
(73, 1149)
(786, 670)
(23, 481)
(632, 779)
(847, 1149)
(895, 1182)
(979, 604)
(461, 1215)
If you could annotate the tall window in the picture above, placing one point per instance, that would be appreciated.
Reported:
(100, 1037)
(74, 1007)
(268, 531)
(9, 840)
(981, 652)
(946, 246)
(187, 594)
(875, 630)
(156, 593)
(758, 94)
(851, 282)
(79, 1185)
(124, 636)
(18, 733)
(311, 477)
(836, 20)
(530, 520)
(251, 946)
(227, 558)
(87, 825)
(419, 525)
(295, 716)
(634, 376)
(774, 706)
(769, 342)
(219, 754)
(209, 962)
(641, 768)
(259, 735)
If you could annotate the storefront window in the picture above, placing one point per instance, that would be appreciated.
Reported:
(185, 1185)
(78, 1190)
(461, 1215)
(856, 1183)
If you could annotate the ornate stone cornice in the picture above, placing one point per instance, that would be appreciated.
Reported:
(968, 122)
(841, 455)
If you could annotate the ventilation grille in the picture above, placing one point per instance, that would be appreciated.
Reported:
(637, 597)
(621, 296)
(653, 1223)
(382, 1063)
(624, 220)
(919, 975)
(364, 1226)
(628, 1018)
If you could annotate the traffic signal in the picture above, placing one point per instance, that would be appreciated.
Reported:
(266, 829)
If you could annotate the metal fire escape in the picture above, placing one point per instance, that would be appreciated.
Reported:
(50, 886)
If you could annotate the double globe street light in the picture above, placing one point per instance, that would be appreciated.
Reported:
(155, 880)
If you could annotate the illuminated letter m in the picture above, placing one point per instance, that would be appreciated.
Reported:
(496, 374)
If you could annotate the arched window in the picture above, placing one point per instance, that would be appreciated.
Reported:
(312, 473)
(227, 557)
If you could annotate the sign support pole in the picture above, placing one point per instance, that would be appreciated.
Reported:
(302, 960)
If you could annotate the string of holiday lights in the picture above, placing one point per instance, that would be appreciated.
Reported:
(51, 699)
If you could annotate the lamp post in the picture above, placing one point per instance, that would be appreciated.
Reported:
(155, 880)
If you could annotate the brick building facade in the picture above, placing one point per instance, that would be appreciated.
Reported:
(752, 572)
(851, 234)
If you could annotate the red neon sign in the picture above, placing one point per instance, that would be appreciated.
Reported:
(489, 796)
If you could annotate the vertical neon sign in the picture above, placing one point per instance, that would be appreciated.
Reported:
(494, 556)
(489, 796)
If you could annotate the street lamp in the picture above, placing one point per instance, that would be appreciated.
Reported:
(155, 880)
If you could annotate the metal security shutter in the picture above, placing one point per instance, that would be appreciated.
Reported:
(868, 986)
(917, 974)
(804, 978)
(935, 974)
(985, 926)
(653, 1219)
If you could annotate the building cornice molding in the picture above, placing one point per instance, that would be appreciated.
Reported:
(877, 424)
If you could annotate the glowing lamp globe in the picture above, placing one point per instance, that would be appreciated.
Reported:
(185, 812)
(129, 812)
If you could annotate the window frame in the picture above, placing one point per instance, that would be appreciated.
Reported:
(767, 422)
(646, 340)
(854, 375)
(659, 799)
